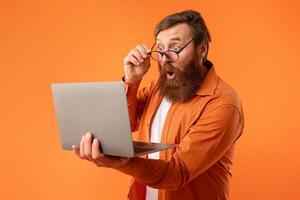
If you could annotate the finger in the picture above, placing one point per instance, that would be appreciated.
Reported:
(138, 55)
(76, 150)
(133, 60)
(146, 48)
(96, 149)
(126, 60)
(82, 147)
(88, 146)
(142, 51)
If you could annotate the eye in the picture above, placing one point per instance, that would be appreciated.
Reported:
(176, 48)
(160, 49)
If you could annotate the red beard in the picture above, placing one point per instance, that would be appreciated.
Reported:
(184, 85)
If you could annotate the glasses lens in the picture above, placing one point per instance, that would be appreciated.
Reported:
(171, 56)
(156, 56)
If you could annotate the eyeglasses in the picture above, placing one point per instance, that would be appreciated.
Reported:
(171, 55)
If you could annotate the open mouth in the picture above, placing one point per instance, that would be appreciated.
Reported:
(170, 75)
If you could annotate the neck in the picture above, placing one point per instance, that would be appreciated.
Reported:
(204, 67)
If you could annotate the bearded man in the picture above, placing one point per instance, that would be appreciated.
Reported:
(188, 105)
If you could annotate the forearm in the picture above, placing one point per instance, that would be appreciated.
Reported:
(169, 175)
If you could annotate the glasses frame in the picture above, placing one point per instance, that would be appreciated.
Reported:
(165, 52)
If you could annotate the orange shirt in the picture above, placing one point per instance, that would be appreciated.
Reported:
(205, 128)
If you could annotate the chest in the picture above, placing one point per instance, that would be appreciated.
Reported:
(178, 118)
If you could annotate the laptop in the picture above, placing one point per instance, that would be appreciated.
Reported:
(99, 108)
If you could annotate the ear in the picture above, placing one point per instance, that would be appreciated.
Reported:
(202, 50)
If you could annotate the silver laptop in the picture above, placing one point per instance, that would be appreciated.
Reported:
(100, 108)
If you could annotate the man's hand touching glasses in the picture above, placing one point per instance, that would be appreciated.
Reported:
(136, 63)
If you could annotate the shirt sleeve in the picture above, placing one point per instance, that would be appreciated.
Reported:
(136, 100)
(202, 146)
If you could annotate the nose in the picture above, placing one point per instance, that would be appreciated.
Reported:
(165, 58)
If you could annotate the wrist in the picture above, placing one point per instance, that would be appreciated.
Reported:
(132, 80)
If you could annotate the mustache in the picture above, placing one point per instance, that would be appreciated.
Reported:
(167, 67)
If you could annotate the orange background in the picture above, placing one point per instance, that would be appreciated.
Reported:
(255, 48)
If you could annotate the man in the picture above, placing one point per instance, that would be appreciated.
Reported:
(188, 105)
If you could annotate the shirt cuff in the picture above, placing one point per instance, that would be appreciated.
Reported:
(131, 87)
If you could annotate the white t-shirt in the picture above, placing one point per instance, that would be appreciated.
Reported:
(156, 129)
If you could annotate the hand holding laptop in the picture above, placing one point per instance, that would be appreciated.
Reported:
(89, 149)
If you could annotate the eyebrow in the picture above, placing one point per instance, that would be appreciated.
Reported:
(172, 39)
